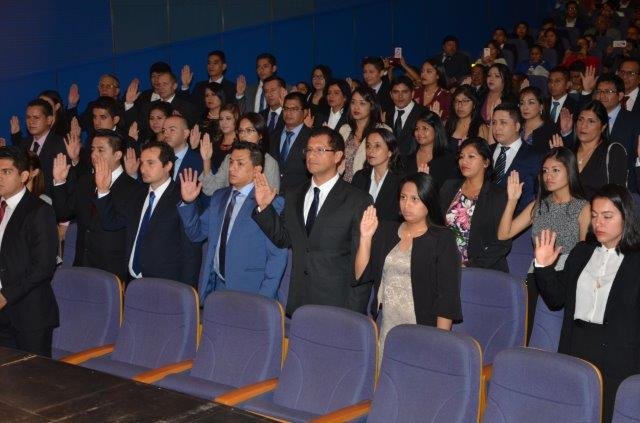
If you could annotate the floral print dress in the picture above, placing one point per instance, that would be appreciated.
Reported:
(458, 219)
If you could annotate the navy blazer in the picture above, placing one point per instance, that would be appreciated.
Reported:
(625, 130)
(252, 262)
(191, 160)
(279, 123)
(527, 164)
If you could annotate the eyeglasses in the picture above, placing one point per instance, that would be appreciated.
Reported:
(319, 150)
(246, 131)
(462, 102)
(291, 109)
(401, 92)
(606, 92)
(626, 73)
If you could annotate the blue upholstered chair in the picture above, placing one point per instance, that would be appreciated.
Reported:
(530, 385)
(627, 405)
(521, 255)
(69, 250)
(90, 304)
(159, 328)
(545, 334)
(241, 344)
(330, 365)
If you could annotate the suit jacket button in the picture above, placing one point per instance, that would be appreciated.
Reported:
(306, 250)
(306, 273)
(604, 345)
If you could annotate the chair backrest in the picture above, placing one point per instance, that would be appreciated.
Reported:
(545, 334)
(241, 339)
(530, 385)
(427, 374)
(90, 305)
(494, 309)
(69, 249)
(160, 323)
(331, 360)
(521, 255)
(627, 405)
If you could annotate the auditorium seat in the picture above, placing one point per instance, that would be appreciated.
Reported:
(627, 405)
(90, 304)
(69, 248)
(330, 365)
(159, 328)
(241, 344)
(545, 334)
(521, 255)
(427, 374)
(530, 385)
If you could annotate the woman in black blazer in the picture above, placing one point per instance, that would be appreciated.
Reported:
(599, 290)
(476, 238)
(382, 166)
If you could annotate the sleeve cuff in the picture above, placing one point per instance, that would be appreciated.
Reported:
(57, 184)
(128, 106)
(103, 194)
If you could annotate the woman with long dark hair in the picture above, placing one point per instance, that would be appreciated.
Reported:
(414, 265)
(598, 289)
(337, 95)
(500, 90)
(320, 77)
(537, 128)
(465, 121)
(434, 94)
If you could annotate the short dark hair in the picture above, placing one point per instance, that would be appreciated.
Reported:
(166, 152)
(335, 139)
(297, 96)
(43, 104)
(220, 54)
(110, 104)
(402, 79)
(375, 61)
(268, 56)
(112, 76)
(562, 70)
(52, 95)
(281, 82)
(159, 67)
(622, 200)
(17, 156)
(163, 106)
(629, 60)
(257, 158)
(450, 38)
(218, 91)
(510, 108)
(612, 79)
(343, 87)
(115, 140)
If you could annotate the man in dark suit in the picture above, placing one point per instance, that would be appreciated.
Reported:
(108, 86)
(456, 65)
(511, 56)
(559, 85)
(28, 250)
(176, 134)
(251, 98)
(74, 196)
(338, 98)
(44, 142)
(239, 255)
(374, 76)
(275, 89)
(287, 146)
(216, 68)
(624, 126)
(403, 116)
(321, 223)
(510, 153)
(629, 72)
(156, 243)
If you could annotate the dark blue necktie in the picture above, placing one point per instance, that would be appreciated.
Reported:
(313, 210)
(498, 170)
(272, 121)
(144, 224)
(286, 145)
(222, 249)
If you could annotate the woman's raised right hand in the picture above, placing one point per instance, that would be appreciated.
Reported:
(514, 186)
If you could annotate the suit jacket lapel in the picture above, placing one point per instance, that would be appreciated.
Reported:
(245, 211)
(300, 204)
(16, 216)
(330, 203)
(618, 286)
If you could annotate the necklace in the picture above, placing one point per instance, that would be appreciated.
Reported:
(586, 156)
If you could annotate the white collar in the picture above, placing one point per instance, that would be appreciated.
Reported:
(12, 202)
(328, 185)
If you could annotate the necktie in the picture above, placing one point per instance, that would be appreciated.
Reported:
(554, 110)
(623, 103)
(144, 224)
(397, 126)
(263, 104)
(176, 168)
(499, 168)
(35, 147)
(3, 207)
(286, 145)
(272, 121)
(313, 210)
(222, 249)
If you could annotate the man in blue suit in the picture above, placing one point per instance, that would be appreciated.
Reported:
(176, 134)
(511, 153)
(239, 256)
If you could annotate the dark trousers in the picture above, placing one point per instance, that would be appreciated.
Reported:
(532, 300)
(34, 341)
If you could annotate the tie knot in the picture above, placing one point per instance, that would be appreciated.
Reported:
(152, 195)
(316, 192)
(556, 103)
(3, 205)
(400, 112)
(288, 133)
(234, 193)
(273, 114)
(504, 149)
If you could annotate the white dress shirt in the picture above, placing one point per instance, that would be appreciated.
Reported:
(256, 101)
(12, 203)
(179, 158)
(631, 101)
(374, 187)
(334, 118)
(40, 142)
(158, 194)
(511, 153)
(403, 118)
(594, 284)
(376, 87)
(561, 100)
(324, 191)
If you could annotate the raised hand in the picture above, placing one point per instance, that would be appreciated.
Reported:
(524, 84)
(72, 142)
(352, 83)
(74, 96)
(60, 168)
(190, 187)
(132, 91)
(102, 175)
(241, 85)
(263, 192)
(546, 252)
(308, 120)
(423, 168)
(514, 186)
(466, 81)
(435, 108)
(133, 131)
(556, 141)
(566, 121)
(206, 147)
(194, 137)
(589, 79)
(368, 223)
(14, 124)
(131, 162)
(186, 75)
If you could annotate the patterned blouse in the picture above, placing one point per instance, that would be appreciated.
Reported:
(458, 219)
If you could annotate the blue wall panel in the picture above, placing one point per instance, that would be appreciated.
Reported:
(410, 30)
(334, 42)
(242, 47)
(294, 36)
(372, 31)
(194, 53)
